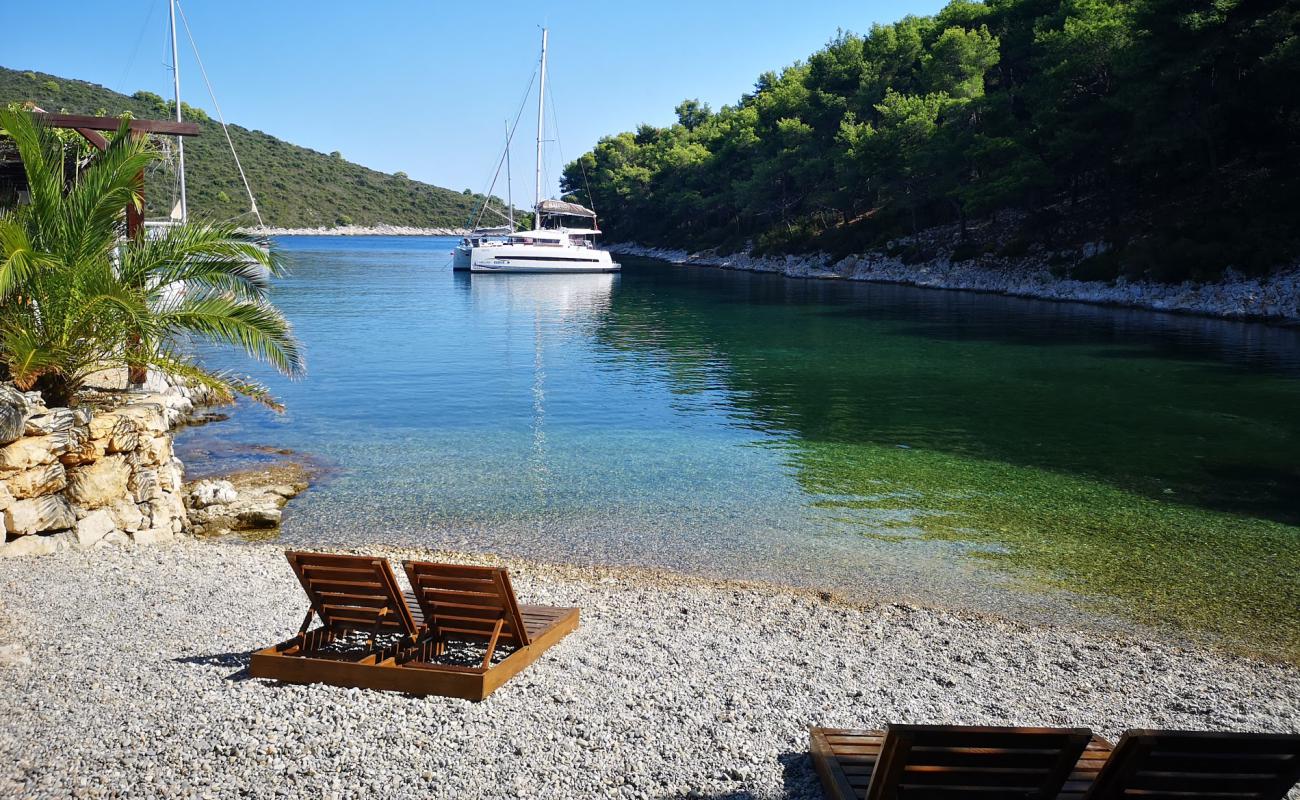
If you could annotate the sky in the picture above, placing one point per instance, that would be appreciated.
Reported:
(426, 87)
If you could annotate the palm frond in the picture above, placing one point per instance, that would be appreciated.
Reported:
(19, 258)
(257, 327)
(202, 256)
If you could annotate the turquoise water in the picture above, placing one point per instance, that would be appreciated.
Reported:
(1042, 460)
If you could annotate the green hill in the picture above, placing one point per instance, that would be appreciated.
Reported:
(1168, 130)
(295, 186)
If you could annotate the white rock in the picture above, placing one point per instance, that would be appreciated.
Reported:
(37, 545)
(55, 420)
(210, 493)
(100, 483)
(115, 538)
(260, 516)
(153, 536)
(126, 515)
(42, 480)
(94, 526)
(31, 451)
(38, 514)
(144, 485)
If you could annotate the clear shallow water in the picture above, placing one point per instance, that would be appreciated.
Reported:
(1043, 460)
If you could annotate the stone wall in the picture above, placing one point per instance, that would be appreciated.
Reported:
(92, 476)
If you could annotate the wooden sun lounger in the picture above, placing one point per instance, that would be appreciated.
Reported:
(465, 602)
(1196, 765)
(942, 761)
(360, 594)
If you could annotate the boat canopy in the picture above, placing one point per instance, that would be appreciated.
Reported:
(561, 208)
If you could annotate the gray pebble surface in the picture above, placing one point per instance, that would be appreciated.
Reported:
(123, 674)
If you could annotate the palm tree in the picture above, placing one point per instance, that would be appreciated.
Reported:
(76, 296)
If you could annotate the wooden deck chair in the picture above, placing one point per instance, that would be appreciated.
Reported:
(1196, 765)
(941, 761)
(469, 602)
(359, 593)
(352, 593)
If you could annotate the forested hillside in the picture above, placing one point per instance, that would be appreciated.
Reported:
(1168, 129)
(294, 186)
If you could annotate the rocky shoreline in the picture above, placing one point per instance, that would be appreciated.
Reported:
(105, 472)
(1275, 298)
(126, 674)
(357, 230)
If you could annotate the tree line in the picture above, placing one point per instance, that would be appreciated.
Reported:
(1169, 130)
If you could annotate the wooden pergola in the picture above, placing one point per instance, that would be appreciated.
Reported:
(92, 128)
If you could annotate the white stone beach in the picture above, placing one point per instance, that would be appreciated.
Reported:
(123, 672)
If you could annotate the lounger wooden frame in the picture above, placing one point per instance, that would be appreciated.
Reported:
(934, 761)
(1145, 765)
(359, 593)
(1199, 765)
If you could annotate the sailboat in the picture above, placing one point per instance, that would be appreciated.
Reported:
(552, 246)
(180, 213)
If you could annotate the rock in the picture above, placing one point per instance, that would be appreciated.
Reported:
(125, 437)
(153, 536)
(100, 483)
(126, 515)
(29, 546)
(13, 413)
(57, 420)
(286, 490)
(45, 479)
(94, 526)
(86, 451)
(32, 451)
(115, 537)
(39, 514)
(144, 485)
(155, 450)
(260, 517)
(167, 512)
(210, 493)
(171, 476)
(147, 416)
(6, 497)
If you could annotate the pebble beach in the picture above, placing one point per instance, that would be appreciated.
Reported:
(124, 673)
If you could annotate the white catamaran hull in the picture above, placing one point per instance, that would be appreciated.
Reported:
(520, 258)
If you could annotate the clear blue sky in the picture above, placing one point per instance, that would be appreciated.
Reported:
(425, 87)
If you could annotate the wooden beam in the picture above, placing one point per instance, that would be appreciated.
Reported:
(87, 122)
(94, 137)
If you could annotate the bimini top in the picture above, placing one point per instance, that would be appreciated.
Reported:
(557, 235)
(561, 208)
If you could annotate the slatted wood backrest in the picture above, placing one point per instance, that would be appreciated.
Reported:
(920, 762)
(358, 593)
(1195, 765)
(467, 601)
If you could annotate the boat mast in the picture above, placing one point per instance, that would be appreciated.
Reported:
(541, 104)
(176, 85)
(510, 200)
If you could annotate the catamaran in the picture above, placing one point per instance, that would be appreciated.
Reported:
(563, 238)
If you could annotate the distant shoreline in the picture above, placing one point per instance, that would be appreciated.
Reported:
(1274, 299)
(357, 230)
